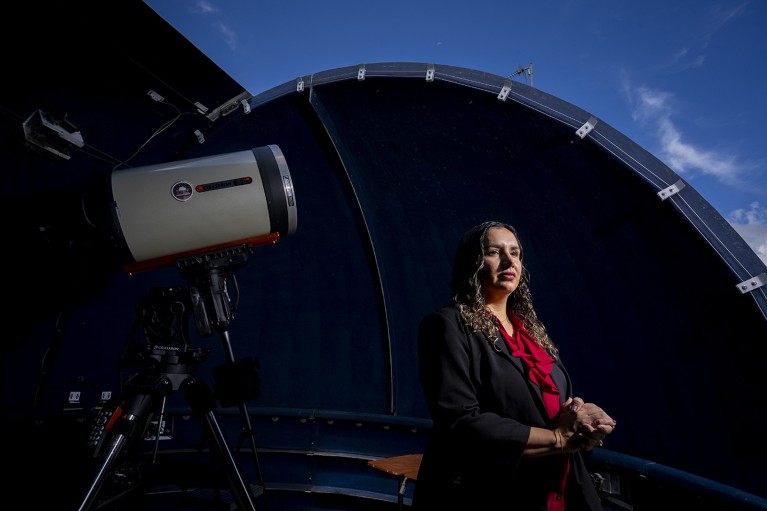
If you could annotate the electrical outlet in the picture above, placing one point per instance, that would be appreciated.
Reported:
(74, 396)
(155, 96)
(106, 395)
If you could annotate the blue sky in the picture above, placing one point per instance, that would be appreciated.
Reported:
(683, 79)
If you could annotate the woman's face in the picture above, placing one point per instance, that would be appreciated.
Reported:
(502, 263)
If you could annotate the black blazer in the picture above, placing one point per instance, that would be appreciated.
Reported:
(482, 406)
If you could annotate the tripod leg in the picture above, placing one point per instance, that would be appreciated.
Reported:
(242, 494)
(247, 428)
(113, 450)
(203, 405)
(157, 434)
(130, 424)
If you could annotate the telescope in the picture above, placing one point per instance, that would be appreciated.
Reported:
(156, 215)
(204, 215)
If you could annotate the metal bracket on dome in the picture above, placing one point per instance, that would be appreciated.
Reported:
(299, 84)
(586, 128)
(671, 190)
(361, 72)
(753, 283)
(505, 90)
(430, 73)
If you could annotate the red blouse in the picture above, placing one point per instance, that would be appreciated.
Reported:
(539, 363)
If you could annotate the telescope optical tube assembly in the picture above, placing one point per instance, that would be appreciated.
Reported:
(185, 207)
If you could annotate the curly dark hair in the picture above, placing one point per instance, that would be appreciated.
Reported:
(467, 290)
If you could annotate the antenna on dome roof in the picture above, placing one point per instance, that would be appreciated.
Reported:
(524, 70)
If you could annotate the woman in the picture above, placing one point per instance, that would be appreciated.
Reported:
(507, 432)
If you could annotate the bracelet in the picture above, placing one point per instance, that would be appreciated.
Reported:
(559, 439)
(562, 443)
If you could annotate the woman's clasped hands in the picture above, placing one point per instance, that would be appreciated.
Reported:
(582, 426)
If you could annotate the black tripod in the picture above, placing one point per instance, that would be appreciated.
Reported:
(170, 365)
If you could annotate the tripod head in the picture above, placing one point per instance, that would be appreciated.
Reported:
(164, 316)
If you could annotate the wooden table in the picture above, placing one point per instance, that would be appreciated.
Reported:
(404, 467)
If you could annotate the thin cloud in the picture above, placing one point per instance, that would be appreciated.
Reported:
(654, 109)
(686, 158)
(698, 61)
(693, 54)
(229, 35)
(727, 16)
(683, 60)
(678, 56)
(206, 7)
